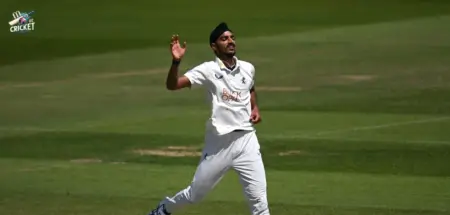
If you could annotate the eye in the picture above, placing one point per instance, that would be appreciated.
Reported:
(225, 38)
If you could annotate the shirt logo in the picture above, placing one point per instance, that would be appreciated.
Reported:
(22, 22)
(231, 96)
(218, 76)
(243, 80)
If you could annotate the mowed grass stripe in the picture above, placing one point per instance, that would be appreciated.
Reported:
(316, 155)
(290, 125)
(363, 128)
(348, 190)
(9, 132)
(142, 60)
(113, 26)
(268, 134)
(76, 204)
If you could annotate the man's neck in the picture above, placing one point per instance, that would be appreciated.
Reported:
(229, 62)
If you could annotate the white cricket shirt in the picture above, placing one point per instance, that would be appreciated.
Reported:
(228, 92)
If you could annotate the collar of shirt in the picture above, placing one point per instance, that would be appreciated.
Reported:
(223, 67)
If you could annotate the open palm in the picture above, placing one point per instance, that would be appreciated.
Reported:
(177, 49)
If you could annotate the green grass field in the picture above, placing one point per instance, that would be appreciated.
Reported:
(354, 95)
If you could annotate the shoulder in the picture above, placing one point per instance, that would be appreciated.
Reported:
(203, 67)
(206, 66)
(209, 65)
(247, 66)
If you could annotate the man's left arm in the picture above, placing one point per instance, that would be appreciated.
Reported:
(253, 100)
(255, 116)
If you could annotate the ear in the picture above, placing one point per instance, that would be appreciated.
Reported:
(214, 47)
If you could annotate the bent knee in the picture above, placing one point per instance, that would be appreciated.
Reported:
(195, 198)
(196, 195)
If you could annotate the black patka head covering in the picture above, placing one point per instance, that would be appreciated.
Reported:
(219, 30)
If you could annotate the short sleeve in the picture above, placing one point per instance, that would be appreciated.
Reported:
(197, 75)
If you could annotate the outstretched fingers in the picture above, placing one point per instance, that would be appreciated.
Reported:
(174, 40)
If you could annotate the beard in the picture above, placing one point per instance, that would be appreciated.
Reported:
(229, 55)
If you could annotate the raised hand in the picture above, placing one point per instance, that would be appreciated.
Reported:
(176, 49)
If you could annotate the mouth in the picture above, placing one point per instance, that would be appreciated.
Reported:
(231, 47)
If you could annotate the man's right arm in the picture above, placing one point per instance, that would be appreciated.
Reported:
(173, 81)
(194, 77)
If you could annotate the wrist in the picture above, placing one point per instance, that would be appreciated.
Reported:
(176, 61)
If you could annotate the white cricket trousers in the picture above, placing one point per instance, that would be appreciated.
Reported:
(239, 150)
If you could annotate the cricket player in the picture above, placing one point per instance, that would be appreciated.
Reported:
(230, 141)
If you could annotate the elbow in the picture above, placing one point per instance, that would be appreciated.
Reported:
(171, 87)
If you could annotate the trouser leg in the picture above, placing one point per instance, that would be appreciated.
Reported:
(250, 168)
(215, 162)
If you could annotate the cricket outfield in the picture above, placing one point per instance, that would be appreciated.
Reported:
(354, 98)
